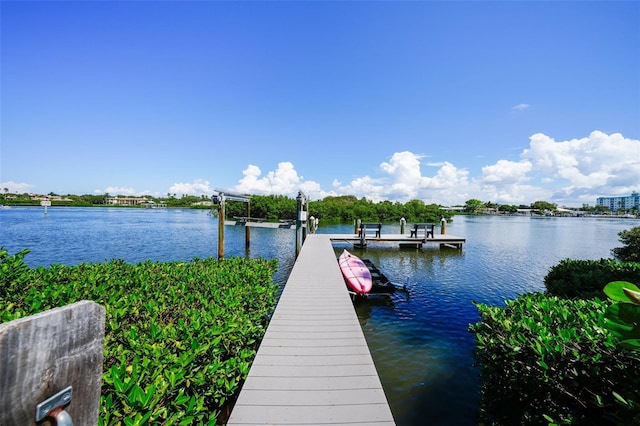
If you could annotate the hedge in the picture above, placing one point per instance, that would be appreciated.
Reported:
(551, 360)
(587, 278)
(180, 336)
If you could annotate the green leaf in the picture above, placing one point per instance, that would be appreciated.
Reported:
(633, 344)
(620, 398)
(117, 382)
(615, 290)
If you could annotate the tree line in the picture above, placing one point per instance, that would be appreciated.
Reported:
(478, 206)
(475, 206)
(331, 209)
(340, 209)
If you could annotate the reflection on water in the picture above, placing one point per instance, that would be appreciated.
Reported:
(419, 342)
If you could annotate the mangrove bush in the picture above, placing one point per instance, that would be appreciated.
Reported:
(179, 338)
(587, 278)
(549, 360)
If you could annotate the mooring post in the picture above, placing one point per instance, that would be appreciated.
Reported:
(403, 221)
(301, 219)
(247, 229)
(443, 225)
(221, 214)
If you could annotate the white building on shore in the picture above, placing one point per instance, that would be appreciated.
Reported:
(126, 201)
(626, 202)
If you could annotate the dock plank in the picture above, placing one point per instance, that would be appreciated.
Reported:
(313, 365)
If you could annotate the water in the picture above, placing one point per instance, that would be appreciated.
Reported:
(73, 235)
(419, 341)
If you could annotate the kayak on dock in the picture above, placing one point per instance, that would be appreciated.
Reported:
(355, 272)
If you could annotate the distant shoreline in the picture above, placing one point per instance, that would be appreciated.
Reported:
(201, 207)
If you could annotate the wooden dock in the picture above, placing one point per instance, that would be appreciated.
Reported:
(313, 365)
(444, 240)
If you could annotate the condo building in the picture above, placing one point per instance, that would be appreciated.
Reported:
(626, 202)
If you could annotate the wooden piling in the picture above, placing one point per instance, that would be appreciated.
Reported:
(247, 229)
(221, 215)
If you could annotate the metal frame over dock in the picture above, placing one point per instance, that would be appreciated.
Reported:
(313, 365)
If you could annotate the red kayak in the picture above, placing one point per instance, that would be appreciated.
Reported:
(355, 272)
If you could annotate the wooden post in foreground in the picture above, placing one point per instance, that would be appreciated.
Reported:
(43, 354)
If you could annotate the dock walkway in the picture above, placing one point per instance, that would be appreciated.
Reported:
(313, 365)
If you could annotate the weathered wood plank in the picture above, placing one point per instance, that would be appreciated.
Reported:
(42, 354)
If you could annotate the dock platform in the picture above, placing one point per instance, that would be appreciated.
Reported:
(444, 240)
(313, 365)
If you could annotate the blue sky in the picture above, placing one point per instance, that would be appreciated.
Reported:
(508, 102)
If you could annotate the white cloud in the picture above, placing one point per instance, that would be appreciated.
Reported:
(506, 172)
(404, 167)
(606, 164)
(282, 181)
(403, 180)
(197, 187)
(520, 107)
(364, 187)
(116, 190)
(448, 178)
(568, 172)
(15, 187)
(514, 194)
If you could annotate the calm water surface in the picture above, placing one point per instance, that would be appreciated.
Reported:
(419, 341)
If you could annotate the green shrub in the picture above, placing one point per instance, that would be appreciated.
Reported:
(12, 270)
(180, 336)
(630, 252)
(587, 278)
(548, 359)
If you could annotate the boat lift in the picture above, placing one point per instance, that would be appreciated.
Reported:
(220, 198)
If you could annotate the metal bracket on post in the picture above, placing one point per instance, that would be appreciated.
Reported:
(54, 407)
